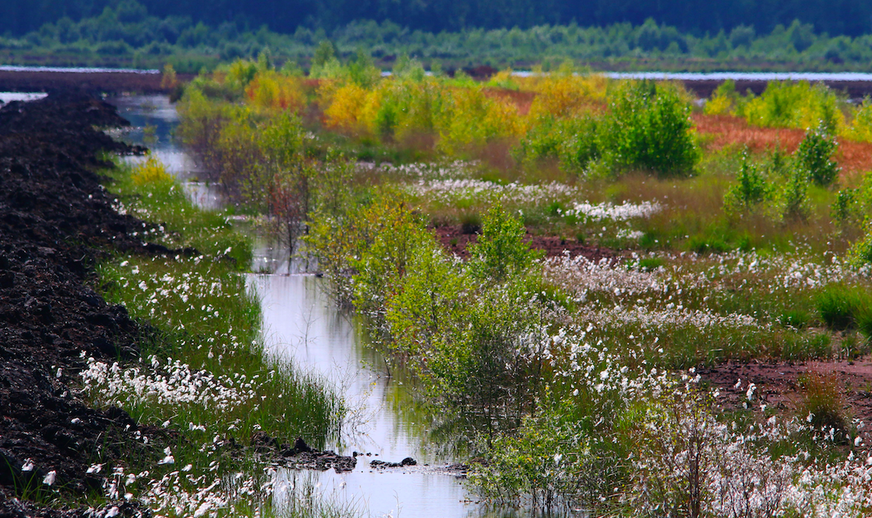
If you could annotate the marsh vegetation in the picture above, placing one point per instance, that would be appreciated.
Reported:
(735, 233)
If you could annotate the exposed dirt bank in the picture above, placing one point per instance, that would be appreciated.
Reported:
(456, 240)
(705, 88)
(778, 385)
(56, 223)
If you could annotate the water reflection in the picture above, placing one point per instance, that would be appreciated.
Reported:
(8, 97)
(386, 423)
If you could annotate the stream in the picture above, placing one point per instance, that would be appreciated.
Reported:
(303, 325)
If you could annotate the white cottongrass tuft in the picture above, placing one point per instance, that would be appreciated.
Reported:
(611, 212)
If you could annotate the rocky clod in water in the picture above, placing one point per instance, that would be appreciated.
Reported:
(380, 464)
(301, 455)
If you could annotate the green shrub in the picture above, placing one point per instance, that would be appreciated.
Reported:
(502, 249)
(814, 157)
(550, 461)
(387, 233)
(750, 190)
(573, 142)
(581, 147)
(860, 253)
(794, 105)
(843, 207)
(649, 128)
(793, 198)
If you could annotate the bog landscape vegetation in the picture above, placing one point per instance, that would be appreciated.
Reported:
(697, 237)
(572, 267)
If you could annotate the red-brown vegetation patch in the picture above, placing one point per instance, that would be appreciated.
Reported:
(854, 157)
(521, 99)
(729, 130)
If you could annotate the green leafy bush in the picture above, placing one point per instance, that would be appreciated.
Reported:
(814, 157)
(550, 461)
(649, 128)
(793, 198)
(573, 142)
(860, 253)
(501, 250)
(794, 105)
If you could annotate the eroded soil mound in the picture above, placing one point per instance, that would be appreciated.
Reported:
(55, 221)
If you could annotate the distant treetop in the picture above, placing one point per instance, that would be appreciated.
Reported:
(698, 17)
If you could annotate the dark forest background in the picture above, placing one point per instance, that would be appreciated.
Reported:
(697, 17)
(676, 35)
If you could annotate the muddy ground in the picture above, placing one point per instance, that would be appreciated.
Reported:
(456, 240)
(55, 224)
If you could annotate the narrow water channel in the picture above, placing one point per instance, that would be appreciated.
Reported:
(303, 325)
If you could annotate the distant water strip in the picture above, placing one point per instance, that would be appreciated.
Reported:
(680, 76)
(77, 70)
(744, 76)
(735, 76)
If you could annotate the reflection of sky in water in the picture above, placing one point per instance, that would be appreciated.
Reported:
(153, 120)
(8, 97)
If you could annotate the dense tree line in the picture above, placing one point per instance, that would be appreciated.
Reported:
(128, 35)
(697, 17)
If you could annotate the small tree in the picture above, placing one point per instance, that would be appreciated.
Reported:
(750, 190)
(794, 197)
(501, 249)
(649, 128)
(814, 156)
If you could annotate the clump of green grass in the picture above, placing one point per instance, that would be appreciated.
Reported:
(647, 264)
(822, 404)
(795, 318)
(843, 308)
